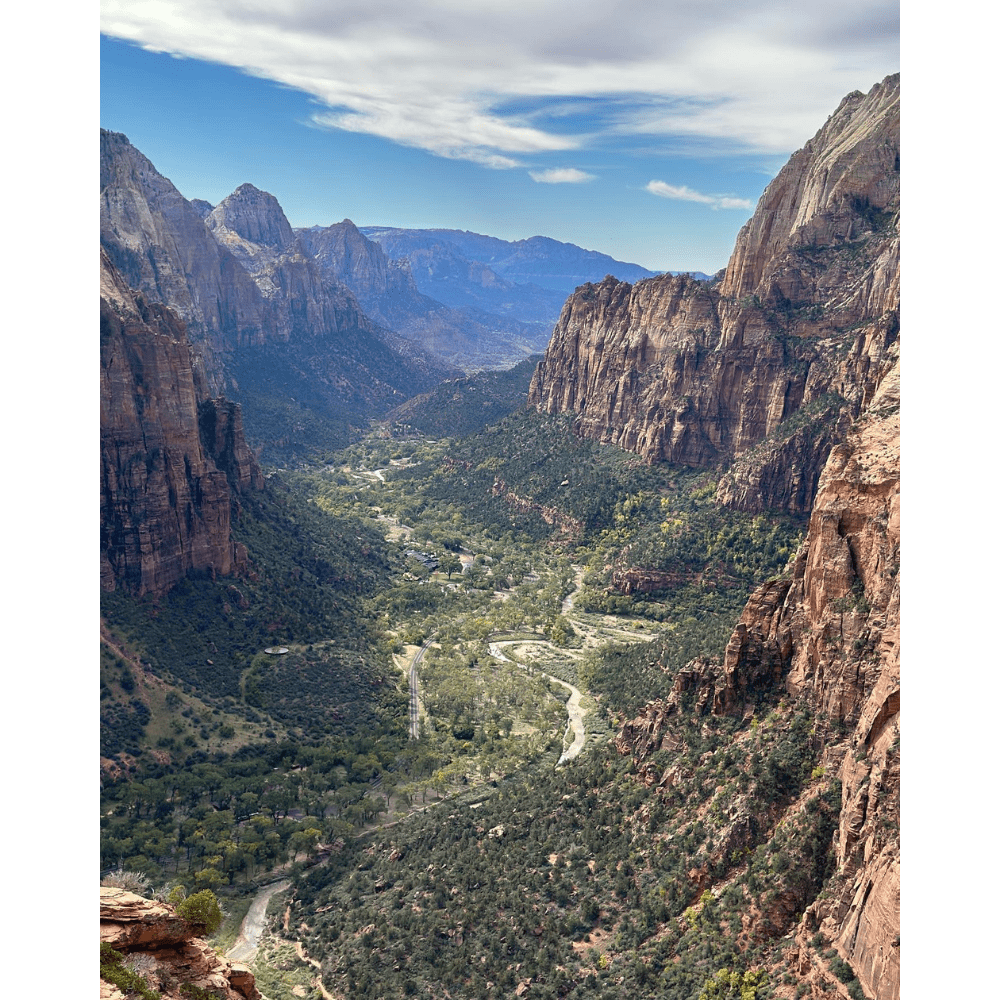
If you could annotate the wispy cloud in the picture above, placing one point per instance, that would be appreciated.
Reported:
(448, 77)
(561, 175)
(684, 193)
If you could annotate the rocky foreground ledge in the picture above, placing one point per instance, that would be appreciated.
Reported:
(164, 948)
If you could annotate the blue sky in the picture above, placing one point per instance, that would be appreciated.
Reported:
(648, 137)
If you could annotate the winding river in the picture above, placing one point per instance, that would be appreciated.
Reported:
(573, 709)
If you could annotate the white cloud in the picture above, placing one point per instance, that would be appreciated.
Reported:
(433, 74)
(561, 175)
(684, 193)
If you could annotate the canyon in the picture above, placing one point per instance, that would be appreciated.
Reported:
(762, 368)
(777, 381)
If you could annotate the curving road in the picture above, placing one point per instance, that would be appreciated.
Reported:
(245, 946)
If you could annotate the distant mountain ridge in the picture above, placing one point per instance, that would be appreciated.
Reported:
(459, 332)
(262, 317)
(524, 281)
(538, 260)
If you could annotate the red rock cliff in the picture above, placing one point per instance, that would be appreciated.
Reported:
(172, 458)
(164, 949)
(683, 372)
(801, 326)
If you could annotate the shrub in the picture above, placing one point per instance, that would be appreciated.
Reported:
(841, 969)
(203, 910)
(197, 993)
(113, 970)
(130, 881)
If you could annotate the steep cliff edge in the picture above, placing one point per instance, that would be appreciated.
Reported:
(790, 366)
(158, 242)
(802, 326)
(172, 458)
(164, 949)
(826, 639)
(268, 325)
(843, 614)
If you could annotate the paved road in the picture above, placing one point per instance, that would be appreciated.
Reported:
(567, 604)
(245, 946)
(414, 706)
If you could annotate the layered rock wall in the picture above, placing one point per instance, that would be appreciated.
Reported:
(252, 226)
(822, 251)
(159, 243)
(172, 458)
(697, 373)
(259, 311)
(166, 950)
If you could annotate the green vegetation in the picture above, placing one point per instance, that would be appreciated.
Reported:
(202, 910)
(282, 975)
(308, 578)
(285, 430)
(466, 857)
(576, 879)
(729, 984)
(463, 406)
(115, 969)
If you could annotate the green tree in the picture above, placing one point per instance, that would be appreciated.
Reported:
(202, 910)
(449, 564)
(732, 985)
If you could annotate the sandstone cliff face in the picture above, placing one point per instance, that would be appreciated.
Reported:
(806, 316)
(164, 949)
(843, 611)
(159, 243)
(259, 312)
(251, 225)
(325, 336)
(814, 426)
(381, 285)
(172, 458)
(828, 636)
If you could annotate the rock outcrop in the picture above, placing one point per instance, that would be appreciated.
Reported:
(828, 637)
(164, 949)
(173, 459)
(252, 226)
(761, 365)
(157, 240)
(843, 613)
